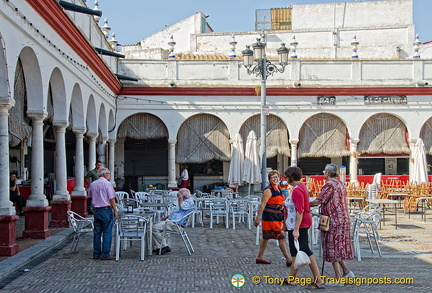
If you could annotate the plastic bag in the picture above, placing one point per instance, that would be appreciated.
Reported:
(302, 258)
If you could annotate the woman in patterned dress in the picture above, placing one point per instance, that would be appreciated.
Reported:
(337, 241)
(271, 212)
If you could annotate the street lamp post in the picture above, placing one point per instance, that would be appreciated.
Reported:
(263, 68)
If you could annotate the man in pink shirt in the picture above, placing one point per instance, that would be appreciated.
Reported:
(105, 211)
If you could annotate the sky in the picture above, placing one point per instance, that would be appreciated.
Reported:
(133, 20)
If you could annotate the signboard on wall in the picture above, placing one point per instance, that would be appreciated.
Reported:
(326, 100)
(393, 100)
(390, 166)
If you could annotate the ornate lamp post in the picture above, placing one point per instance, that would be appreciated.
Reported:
(416, 46)
(263, 68)
(171, 45)
(354, 45)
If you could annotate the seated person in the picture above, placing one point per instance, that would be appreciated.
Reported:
(185, 205)
(14, 194)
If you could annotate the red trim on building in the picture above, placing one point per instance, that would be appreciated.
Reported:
(54, 15)
(177, 91)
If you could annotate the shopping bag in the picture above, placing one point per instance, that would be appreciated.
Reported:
(302, 258)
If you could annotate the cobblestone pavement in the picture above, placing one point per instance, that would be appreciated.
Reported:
(219, 254)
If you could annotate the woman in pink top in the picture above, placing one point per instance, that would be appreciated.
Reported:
(300, 197)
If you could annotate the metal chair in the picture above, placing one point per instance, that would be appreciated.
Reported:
(160, 211)
(141, 196)
(366, 223)
(219, 207)
(124, 199)
(179, 230)
(131, 228)
(81, 226)
(241, 209)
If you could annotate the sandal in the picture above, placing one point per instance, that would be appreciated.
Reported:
(315, 286)
(262, 261)
(289, 283)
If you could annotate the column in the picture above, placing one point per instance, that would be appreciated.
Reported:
(6, 206)
(8, 217)
(92, 151)
(61, 202)
(171, 163)
(79, 194)
(36, 219)
(111, 144)
(294, 143)
(353, 161)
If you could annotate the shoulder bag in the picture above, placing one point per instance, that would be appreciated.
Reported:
(324, 222)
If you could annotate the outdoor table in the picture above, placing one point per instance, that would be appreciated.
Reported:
(158, 207)
(352, 199)
(385, 201)
(397, 196)
(145, 215)
(423, 200)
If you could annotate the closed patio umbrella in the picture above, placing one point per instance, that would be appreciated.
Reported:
(252, 168)
(237, 159)
(418, 164)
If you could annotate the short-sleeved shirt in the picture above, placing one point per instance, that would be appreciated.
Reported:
(300, 197)
(101, 191)
(93, 174)
(185, 174)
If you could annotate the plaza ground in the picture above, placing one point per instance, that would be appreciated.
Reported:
(219, 254)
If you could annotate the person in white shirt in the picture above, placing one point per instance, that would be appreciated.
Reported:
(184, 176)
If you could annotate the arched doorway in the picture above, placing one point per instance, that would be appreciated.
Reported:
(145, 139)
(277, 140)
(203, 144)
(383, 146)
(322, 137)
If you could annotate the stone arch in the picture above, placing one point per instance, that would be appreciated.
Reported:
(58, 96)
(142, 126)
(91, 117)
(426, 135)
(76, 117)
(103, 123)
(201, 138)
(277, 140)
(111, 125)
(19, 126)
(4, 83)
(142, 139)
(36, 100)
(383, 133)
(323, 135)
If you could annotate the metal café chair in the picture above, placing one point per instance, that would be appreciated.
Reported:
(241, 209)
(179, 230)
(219, 208)
(131, 228)
(366, 223)
(81, 226)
